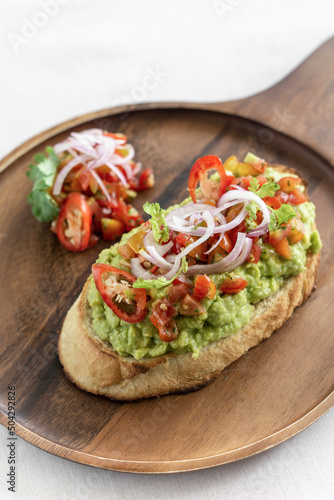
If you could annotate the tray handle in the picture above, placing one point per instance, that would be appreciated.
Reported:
(301, 105)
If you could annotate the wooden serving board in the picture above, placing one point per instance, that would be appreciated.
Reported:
(267, 396)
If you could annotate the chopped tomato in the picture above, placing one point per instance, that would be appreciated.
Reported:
(204, 287)
(259, 217)
(126, 251)
(116, 190)
(223, 249)
(233, 285)
(112, 229)
(289, 192)
(281, 196)
(146, 179)
(211, 190)
(255, 254)
(198, 252)
(288, 183)
(74, 223)
(239, 169)
(183, 240)
(233, 233)
(182, 279)
(191, 307)
(115, 288)
(84, 177)
(169, 331)
(225, 243)
(116, 136)
(258, 163)
(296, 197)
(163, 312)
(282, 248)
(233, 212)
(278, 234)
(176, 293)
(297, 232)
(272, 201)
(261, 179)
(244, 182)
(136, 240)
(231, 163)
(229, 178)
(132, 218)
(100, 213)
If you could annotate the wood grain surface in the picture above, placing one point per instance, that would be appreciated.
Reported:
(268, 395)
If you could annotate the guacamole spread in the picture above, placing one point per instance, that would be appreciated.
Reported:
(225, 313)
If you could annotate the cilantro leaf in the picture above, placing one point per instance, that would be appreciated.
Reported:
(280, 216)
(43, 173)
(159, 226)
(267, 189)
(252, 209)
(161, 282)
(43, 206)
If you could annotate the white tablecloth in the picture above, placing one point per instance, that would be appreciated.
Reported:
(62, 58)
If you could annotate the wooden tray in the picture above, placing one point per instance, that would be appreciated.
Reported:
(270, 394)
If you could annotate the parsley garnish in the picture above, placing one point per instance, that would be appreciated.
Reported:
(43, 173)
(160, 282)
(159, 226)
(267, 189)
(280, 216)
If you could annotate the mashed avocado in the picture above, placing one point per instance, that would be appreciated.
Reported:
(225, 314)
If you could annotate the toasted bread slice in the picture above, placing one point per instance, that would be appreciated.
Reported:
(95, 367)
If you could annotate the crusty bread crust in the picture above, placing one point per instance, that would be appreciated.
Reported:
(95, 367)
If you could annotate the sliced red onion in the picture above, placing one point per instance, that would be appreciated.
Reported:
(174, 269)
(128, 170)
(120, 160)
(171, 258)
(174, 220)
(208, 217)
(96, 150)
(243, 255)
(187, 210)
(178, 221)
(195, 217)
(72, 152)
(239, 188)
(118, 173)
(149, 241)
(249, 196)
(137, 168)
(227, 263)
(65, 170)
(62, 146)
(218, 229)
(215, 245)
(139, 272)
(148, 257)
(156, 259)
(226, 206)
(101, 184)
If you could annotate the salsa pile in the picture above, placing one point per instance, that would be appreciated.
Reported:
(167, 267)
(83, 187)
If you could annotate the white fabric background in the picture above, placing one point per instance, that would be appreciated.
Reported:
(85, 55)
